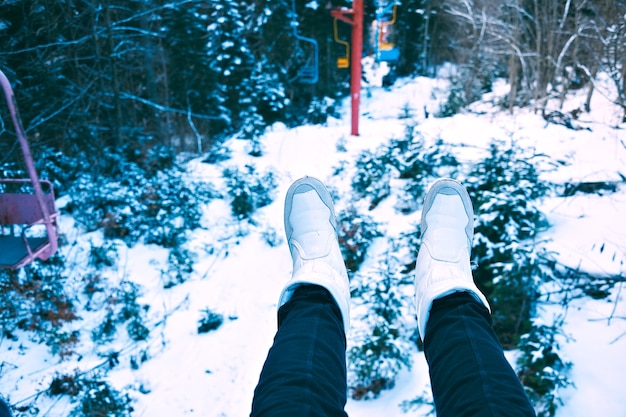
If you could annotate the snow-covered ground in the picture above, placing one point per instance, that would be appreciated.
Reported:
(214, 374)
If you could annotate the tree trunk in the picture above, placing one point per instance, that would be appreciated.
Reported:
(512, 81)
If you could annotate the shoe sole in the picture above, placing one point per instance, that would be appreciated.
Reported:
(449, 186)
(307, 184)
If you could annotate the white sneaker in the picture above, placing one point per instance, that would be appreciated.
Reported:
(311, 228)
(443, 261)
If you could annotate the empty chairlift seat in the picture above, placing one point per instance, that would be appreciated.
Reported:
(28, 217)
(25, 234)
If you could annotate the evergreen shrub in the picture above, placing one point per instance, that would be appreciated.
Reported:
(37, 300)
(380, 343)
(467, 86)
(210, 320)
(156, 208)
(122, 307)
(372, 177)
(407, 158)
(180, 262)
(455, 101)
(542, 369)
(137, 331)
(99, 399)
(355, 235)
(103, 256)
(503, 188)
(65, 384)
(272, 237)
(249, 190)
(60, 169)
(62, 342)
(320, 109)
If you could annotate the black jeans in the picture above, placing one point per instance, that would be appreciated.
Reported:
(4, 409)
(305, 371)
(469, 374)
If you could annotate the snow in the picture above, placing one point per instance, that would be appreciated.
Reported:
(214, 374)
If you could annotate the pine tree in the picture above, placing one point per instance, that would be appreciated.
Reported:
(191, 82)
(230, 56)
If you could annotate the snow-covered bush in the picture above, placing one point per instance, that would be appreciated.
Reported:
(406, 111)
(103, 256)
(210, 320)
(272, 237)
(371, 180)
(542, 369)
(59, 168)
(408, 159)
(418, 165)
(320, 109)
(157, 208)
(504, 187)
(218, 153)
(377, 358)
(355, 234)
(122, 307)
(65, 384)
(252, 129)
(381, 347)
(152, 159)
(180, 263)
(38, 301)
(249, 190)
(98, 398)
(512, 266)
(454, 102)
(467, 85)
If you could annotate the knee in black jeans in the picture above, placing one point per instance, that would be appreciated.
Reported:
(470, 375)
(305, 371)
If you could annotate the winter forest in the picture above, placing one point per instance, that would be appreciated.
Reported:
(170, 131)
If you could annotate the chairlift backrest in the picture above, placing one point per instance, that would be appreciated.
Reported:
(385, 48)
(23, 208)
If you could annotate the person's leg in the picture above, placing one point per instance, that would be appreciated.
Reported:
(469, 374)
(4, 409)
(468, 371)
(305, 371)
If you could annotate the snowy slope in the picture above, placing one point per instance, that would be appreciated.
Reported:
(214, 374)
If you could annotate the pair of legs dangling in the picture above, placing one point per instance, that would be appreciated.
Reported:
(305, 370)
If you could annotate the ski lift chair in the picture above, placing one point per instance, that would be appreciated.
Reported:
(309, 72)
(25, 206)
(343, 61)
(386, 51)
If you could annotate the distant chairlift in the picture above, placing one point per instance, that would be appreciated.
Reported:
(343, 61)
(25, 205)
(384, 46)
(309, 72)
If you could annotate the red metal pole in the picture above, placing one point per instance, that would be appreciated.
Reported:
(355, 60)
(356, 67)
